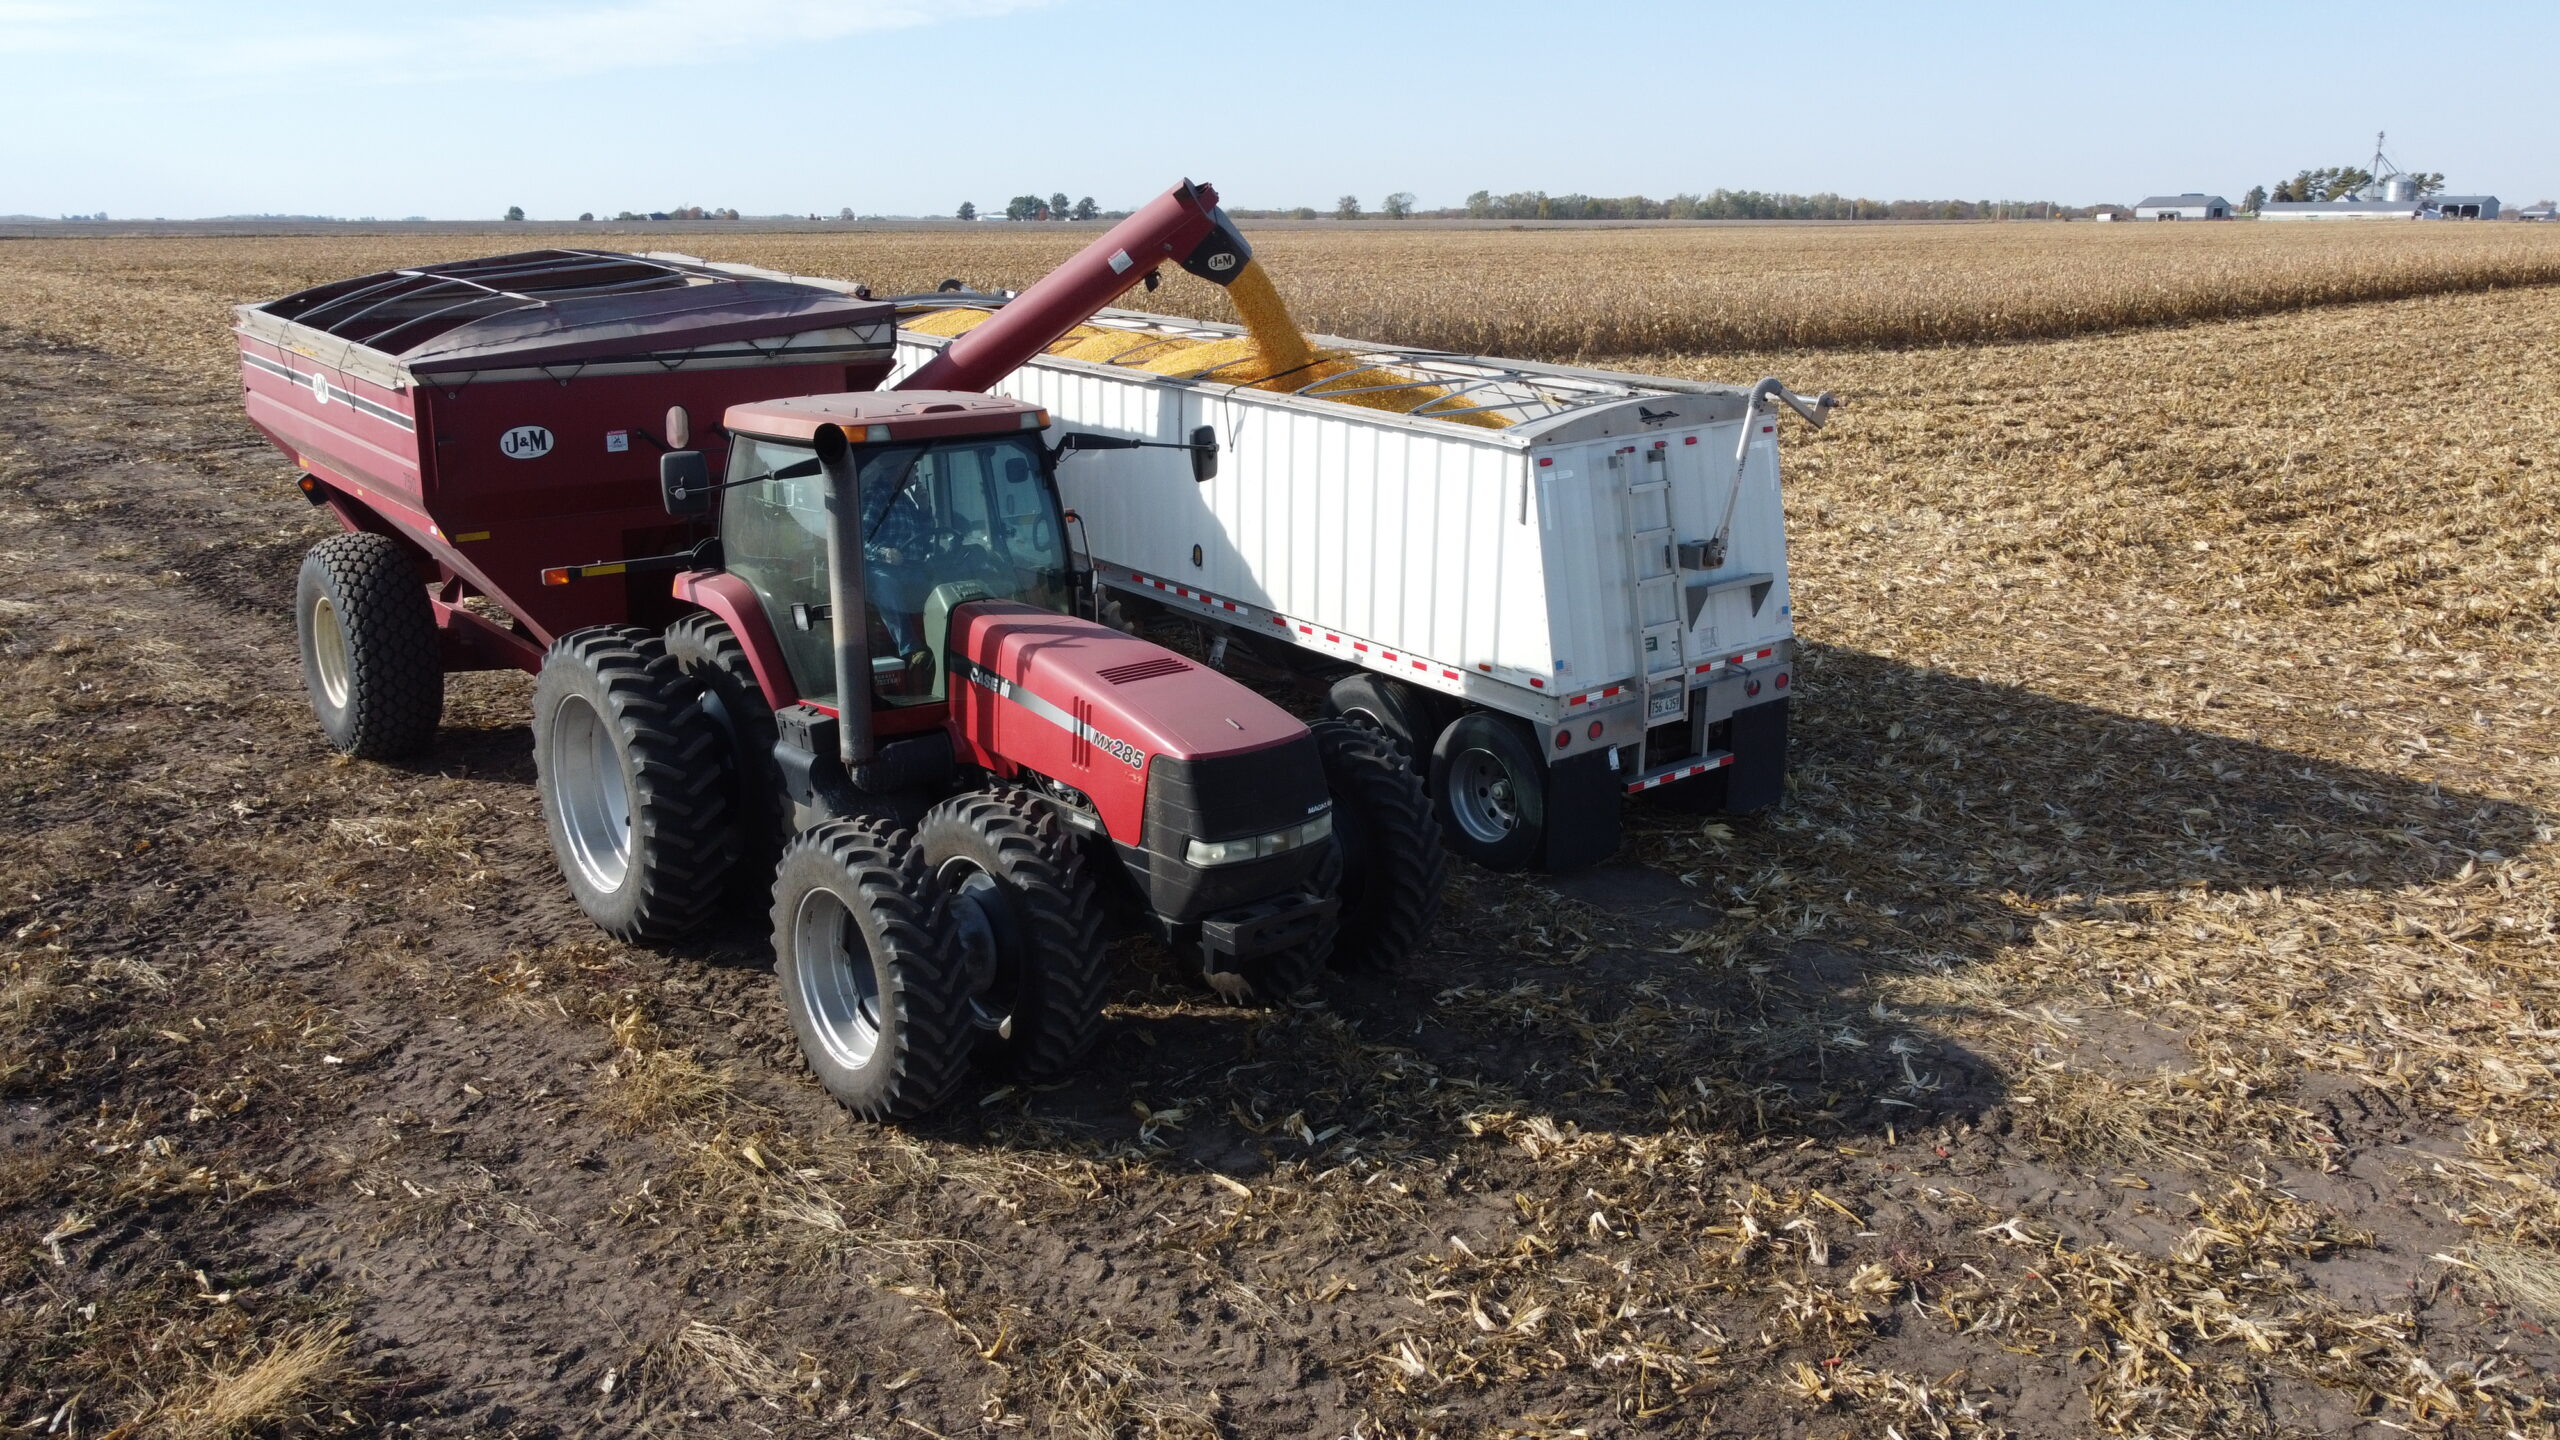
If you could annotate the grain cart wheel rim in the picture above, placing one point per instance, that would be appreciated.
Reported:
(636, 783)
(862, 947)
(372, 662)
(839, 985)
(1480, 796)
(329, 652)
(593, 796)
(1026, 928)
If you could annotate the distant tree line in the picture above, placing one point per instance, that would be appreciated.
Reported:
(1715, 205)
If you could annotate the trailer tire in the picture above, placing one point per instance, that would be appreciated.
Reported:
(635, 783)
(710, 653)
(1026, 928)
(862, 948)
(370, 658)
(1404, 713)
(1393, 865)
(1490, 791)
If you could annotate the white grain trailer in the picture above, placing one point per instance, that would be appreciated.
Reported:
(1587, 602)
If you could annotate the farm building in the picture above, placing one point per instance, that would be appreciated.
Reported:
(2111, 212)
(2437, 207)
(2543, 211)
(2189, 206)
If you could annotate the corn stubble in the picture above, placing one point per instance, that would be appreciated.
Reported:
(2160, 927)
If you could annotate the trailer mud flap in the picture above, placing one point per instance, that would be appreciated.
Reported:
(1582, 812)
(1758, 775)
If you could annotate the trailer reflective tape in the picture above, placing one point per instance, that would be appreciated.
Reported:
(1683, 773)
(324, 391)
(1003, 689)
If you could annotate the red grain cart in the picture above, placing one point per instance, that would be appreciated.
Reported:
(494, 418)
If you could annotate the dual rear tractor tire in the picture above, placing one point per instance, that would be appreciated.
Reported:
(636, 783)
(369, 649)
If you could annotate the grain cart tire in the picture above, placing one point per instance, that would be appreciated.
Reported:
(710, 653)
(862, 946)
(635, 783)
(1026, 928)
(1490, 791)
(369, 652)
(1393, 866)
(1406, 714)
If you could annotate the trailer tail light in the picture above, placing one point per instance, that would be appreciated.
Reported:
(1750, 687)
(1593, 730)
(1563, 738)
(1782, 679)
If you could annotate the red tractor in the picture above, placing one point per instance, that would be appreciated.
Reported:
(867, 690)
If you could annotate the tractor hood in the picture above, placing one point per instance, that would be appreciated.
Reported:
(1112, 701)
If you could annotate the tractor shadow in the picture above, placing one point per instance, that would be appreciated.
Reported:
(1719, 973)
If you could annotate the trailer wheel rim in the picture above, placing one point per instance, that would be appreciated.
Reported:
(839, 986)
(593, 800)
(329, 652)
(1480, 796)
(984, 936)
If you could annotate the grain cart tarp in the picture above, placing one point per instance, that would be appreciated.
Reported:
(498, 413)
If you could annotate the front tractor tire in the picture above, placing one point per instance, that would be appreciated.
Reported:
(875, 992)
(1025, 925)
(1393, 865)
(635, 783)
(369, 653)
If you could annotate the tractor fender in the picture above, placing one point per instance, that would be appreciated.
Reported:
(735, 602)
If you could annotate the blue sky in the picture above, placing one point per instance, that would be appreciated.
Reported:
(461, 108)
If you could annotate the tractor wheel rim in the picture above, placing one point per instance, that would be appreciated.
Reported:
(839, 986)
(982, 936)
(329, 653)
(1480, 796)
(593, 798)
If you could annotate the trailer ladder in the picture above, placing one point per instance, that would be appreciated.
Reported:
(1653, 574)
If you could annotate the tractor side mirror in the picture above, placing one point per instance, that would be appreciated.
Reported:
(1204, 455)
(684, 482)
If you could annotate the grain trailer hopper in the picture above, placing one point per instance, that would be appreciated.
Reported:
(949, 835)
(1585, 600)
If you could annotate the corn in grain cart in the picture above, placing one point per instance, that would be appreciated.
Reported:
(507, 443)
(1585, 602)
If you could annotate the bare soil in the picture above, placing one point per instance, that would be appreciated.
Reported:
(1986, 1089)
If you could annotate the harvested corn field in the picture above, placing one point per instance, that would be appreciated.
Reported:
(1535, 294)
(2139, 1020)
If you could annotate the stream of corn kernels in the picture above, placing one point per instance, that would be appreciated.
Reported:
(1273, 354)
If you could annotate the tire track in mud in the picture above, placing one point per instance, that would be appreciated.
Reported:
(438, 1156)
(515, 1315)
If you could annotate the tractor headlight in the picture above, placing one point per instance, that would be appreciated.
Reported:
(1207, 853)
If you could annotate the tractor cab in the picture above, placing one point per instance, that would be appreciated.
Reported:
(957, 505)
